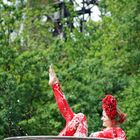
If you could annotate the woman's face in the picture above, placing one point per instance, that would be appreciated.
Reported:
(106, 120)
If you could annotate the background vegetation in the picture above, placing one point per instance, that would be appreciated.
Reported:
(105, 58)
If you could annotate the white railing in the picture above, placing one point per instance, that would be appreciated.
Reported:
(52, 138)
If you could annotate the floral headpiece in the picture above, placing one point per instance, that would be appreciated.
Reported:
(109, 105)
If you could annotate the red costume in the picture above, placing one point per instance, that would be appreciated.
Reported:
(76, 124)
(112, 133)
(109, 105)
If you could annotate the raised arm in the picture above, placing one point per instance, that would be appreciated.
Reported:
(62, 103)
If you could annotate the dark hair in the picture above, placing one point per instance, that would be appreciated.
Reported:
(121, 117)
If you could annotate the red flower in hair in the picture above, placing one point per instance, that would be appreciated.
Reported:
(109, 106)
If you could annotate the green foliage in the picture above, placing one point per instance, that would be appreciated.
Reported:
(131, 105)
(104, 59)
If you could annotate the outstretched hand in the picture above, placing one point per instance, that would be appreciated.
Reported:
(52, 76)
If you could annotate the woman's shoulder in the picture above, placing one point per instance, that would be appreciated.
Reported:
(114, 129)
(113, 132)
(117, 129)
(118, 132)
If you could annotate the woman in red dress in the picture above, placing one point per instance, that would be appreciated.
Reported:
(76, 124)
(111, 118)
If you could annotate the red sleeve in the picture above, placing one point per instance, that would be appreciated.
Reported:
(62, 103)
(121, 134)
(101, 134)
(76, 127)
(82, 129)
(113, 133)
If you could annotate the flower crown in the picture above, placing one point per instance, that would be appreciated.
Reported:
(109, 105)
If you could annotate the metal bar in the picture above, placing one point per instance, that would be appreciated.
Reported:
(52, 138)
